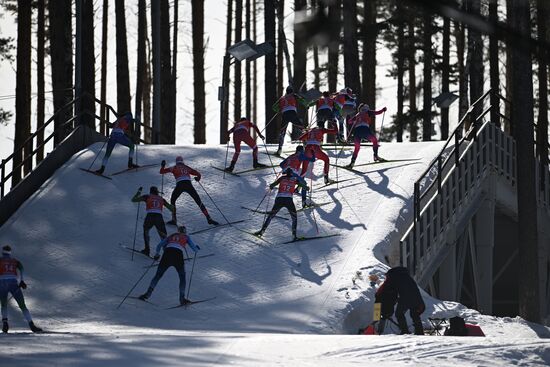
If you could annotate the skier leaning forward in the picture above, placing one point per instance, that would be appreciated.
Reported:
(360, 124)
(173, 255)
(313, 139)
(9, 267)
(295, 162)
(241, 134)
(154, 204)
(120, 135)
(182, 173)
(287, 186)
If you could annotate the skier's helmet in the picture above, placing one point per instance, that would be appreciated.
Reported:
(243, 119)
(128, 116)
(179, 159)
(182, 229)
(289, 89)
(288, 171)
(299, 148)
(6, 250)
(349, 91)
(154, 190)
(364, 107)
(326, 94)
(343, 91)
(321, 123)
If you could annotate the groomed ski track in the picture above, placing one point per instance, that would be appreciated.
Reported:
(67, 236)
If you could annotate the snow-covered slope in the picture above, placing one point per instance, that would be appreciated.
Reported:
(69, 236)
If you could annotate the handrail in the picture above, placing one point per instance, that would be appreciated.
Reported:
(5, 176)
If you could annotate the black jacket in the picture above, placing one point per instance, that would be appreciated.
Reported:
(398, 281)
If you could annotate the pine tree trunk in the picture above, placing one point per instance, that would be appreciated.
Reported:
(412, 79)
(400, 70)
(542, 121)
(462, 71)
(225, 77)
(103, 93)
(248, 76)
(368, 94)
(351, 51)
(254, 69)
(147, 83)
(22, 91)
(238, 66)
(88, 65)
(198, 71)
(174, 70)
(61, 55)
(508, 125)
(40, 88)
(300, 65)
(427, 90)
(335, 13)
(445, 76)
(122, 74)
(522, 116)
(281, 45)
(270, 72)
(494, 67)
(168, 127)
(475, 56)
(141, 60)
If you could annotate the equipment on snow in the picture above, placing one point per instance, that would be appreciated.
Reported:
(97, 173)
(297, 239)
(189, 303)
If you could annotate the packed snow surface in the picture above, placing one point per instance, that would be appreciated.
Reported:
(276, 304)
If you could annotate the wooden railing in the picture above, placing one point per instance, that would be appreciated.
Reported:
(10, 171)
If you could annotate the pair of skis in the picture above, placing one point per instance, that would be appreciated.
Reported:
(238, 173)
(117, 173)
(297, 239)
(313, 206)
(185, 305)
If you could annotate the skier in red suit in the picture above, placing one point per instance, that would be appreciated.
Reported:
(313, 139)
(241, 134)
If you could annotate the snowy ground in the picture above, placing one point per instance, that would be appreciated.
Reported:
(276, 304)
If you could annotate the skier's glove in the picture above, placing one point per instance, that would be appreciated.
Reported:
(384, 109)
(156, 257)
(262, 137)
(163, 163)
(271, 187)
(197, 178)
(22, 285)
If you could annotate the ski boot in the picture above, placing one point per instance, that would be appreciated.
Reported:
(327, 180)
(211, 221)
(278, 152)
(145, 296)
(131, 164)
(5, 325)
(100, 171)
(259, 233)
(34, 328)
(184, 301)
(294, 236)
(231, 167)
(351, 164)
(146, 251)
(257, 164)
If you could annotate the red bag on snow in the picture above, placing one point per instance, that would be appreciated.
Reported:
(474, 330)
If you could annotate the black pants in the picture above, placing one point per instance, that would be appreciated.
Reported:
(153, 220)
(415, 313)
(279, 204)
(170, 257)
(288, 117)
(324, 115)
(186, 186)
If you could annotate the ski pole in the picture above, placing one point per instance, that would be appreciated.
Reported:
(191, 276)
(269, 157)
(97, 155)
(213, 202)
(269, 122)
(135, 232)
(311, 201)
(258, 207)
(162, 184)
(226, 154)
(135, 285)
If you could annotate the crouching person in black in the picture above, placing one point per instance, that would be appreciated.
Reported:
(400, 286)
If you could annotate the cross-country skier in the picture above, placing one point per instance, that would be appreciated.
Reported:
(9, 267)
(182, 173)
(295, 162)
(240, 134)
(119, 134)
(287, 105)
(287, 185)
(173, 255)
(399, 282)
(313, 139)
(360, 125)
(154, 204)
(325, 107)
(345, 103)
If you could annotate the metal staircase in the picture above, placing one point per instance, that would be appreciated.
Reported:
(471, 175)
